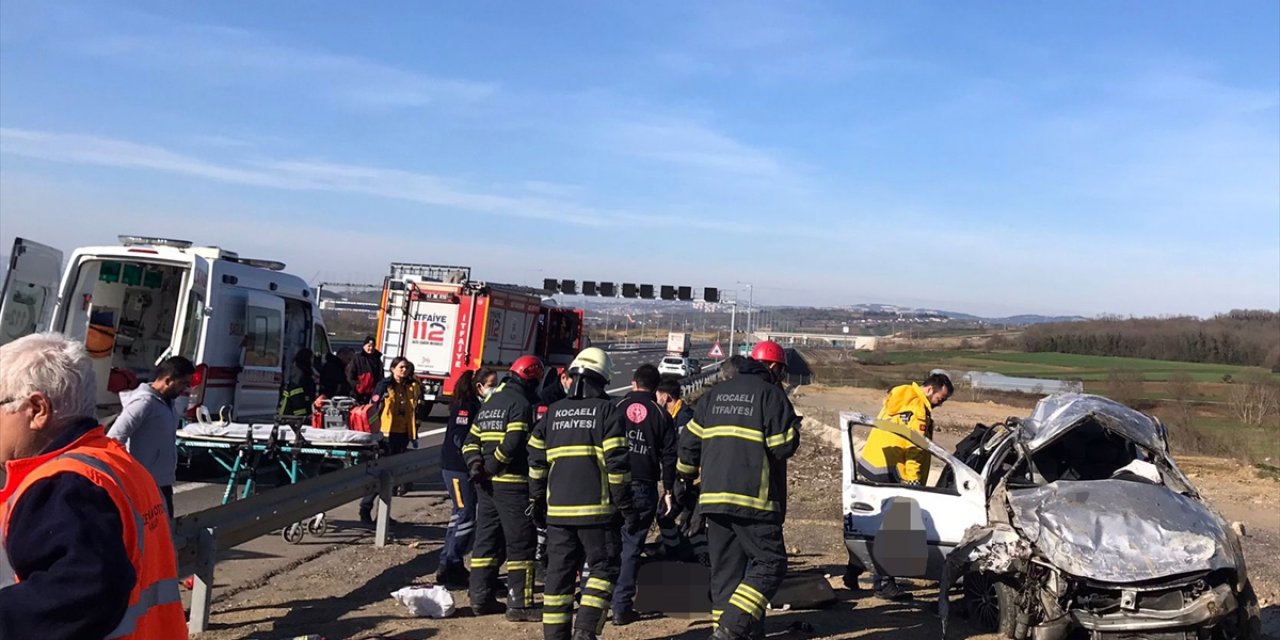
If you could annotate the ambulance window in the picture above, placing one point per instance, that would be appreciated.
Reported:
(262, 346)
(319, 342)
(191, 329)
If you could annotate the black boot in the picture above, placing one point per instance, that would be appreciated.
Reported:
(584, 634)
(525, 615)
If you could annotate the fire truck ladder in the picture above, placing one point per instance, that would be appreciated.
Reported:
(395, 317)
(430, 272)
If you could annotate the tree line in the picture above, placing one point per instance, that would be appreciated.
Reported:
(1241, 337)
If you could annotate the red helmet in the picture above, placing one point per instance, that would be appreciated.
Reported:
(528, 368)
(769, 351)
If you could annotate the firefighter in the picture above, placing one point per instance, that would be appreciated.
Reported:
(888, 457)
(583, 499)
(495, 451)
(741, 435)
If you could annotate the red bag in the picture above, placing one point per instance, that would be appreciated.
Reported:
(360, 418)
(364, 384)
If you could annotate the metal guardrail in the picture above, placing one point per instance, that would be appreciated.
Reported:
(709, 375)
(199, 537)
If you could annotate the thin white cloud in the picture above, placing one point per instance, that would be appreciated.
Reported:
(231, 56)
(290, 175)
(691, 145)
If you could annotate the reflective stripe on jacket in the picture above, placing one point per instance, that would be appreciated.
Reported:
(499, 434)
(155, 607)
(580, 463)
(888, 457)
(742, 432)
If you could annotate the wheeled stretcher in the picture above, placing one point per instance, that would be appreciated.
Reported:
(246, 449)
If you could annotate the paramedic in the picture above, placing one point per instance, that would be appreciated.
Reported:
(395, 402)
(470, 390)
(669, 398)
(888, 457)
(651, 440)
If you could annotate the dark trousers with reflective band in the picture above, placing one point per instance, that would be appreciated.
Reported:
(462, 519)
(566, 549)
(748, 562)
(504, 533)
(645, 496)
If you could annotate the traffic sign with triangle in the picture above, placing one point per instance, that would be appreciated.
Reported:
(716, 351)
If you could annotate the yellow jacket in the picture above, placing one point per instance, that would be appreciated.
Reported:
(890, 458)
(397, 407)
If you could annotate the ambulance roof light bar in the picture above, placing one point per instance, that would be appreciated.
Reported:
(273, 265)
(130, 241)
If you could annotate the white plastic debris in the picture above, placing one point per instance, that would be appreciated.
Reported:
(434, 602)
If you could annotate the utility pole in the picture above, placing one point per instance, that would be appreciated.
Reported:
(733, 325)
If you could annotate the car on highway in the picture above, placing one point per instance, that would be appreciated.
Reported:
(678, 366)
(1073, 520)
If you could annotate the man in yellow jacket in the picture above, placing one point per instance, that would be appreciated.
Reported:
(890, 458)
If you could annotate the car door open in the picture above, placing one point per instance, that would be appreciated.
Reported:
(917, 525)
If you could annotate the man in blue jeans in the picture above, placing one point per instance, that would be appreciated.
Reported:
(652, 439)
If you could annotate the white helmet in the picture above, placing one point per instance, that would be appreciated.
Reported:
(593, 360)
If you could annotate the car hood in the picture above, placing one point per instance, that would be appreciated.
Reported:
(1060, 413)
(1120, 531)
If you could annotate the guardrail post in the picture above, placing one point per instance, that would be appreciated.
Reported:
(202, 589)
(384, 508)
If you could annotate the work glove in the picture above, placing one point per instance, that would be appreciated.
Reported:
(537, 512)
(493, 467)
(476, 472)
(684, 494)
(632, 522)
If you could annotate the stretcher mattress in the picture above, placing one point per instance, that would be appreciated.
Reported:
(236, 432)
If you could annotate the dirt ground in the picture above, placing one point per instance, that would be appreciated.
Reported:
(345, 593)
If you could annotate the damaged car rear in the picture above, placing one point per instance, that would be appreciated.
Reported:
(1086, 529)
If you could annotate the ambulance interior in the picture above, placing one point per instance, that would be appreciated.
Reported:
(126, 312)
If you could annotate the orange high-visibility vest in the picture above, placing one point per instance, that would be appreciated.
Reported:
(155, 607)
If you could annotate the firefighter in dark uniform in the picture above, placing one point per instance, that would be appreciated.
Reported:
(495, 451)
(742, 433)
(580, 480)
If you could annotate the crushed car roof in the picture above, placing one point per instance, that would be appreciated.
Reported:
(1059, 413)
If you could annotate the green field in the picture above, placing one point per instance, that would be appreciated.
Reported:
(1058, 365)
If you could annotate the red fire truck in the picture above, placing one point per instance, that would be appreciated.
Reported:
(445, 324)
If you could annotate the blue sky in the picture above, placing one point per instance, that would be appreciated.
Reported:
(993, 158)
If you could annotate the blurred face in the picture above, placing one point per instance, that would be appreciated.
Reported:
(937, 396)
(26, 427)
(665, 398)
(401, 371)
(368, 347)
(566, 381)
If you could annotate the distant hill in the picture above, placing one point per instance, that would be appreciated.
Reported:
(897, 310)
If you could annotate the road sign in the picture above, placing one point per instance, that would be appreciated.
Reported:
(716, 351)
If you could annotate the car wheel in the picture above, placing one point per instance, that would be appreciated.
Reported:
(1248, 616)
(991, 604)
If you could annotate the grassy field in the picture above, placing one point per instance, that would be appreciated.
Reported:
(1213, 429)
(1056, 365)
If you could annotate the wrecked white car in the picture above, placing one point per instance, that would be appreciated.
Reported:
(1072, 522)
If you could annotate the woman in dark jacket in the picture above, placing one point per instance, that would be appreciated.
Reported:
(365, 371)
(471, 390)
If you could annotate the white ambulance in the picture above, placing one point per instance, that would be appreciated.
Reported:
(241, 321)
